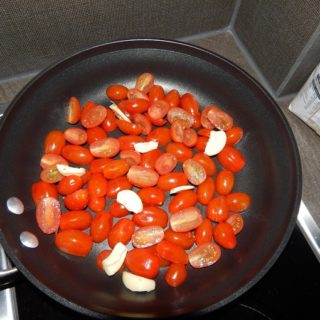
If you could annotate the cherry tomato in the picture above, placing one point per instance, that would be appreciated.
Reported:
(206, 191)
(197, 120)
(109, 123)
(177, 130)
(94, 134)
(190, 137)
(182, 200)
(156, 122)
(204, 118)
(217, 209)
(173, 98)
(129, 127)
(93, 116)
(223, 234)
(116, 185)
(101, 226)
(145, 82)
(183, 239)
(180, 114)
(166, 163)
(54, 142)
(49, 160)
(224, 182)
(74, 242)
(161, 135)
(97, 204)
(115, 168)
(204, 255)
(143, 122)
(51, 175)
(122, 231)
(201, 144)
(79, 220)
(135, 105)
(220, 119)
(135, 93)
(142, 177)
(194, 171)
(75, 136)
(176, 274)
(117, 92)
(131, 156)
(151, 216)
(48, 214)
(147, 236)
(156, 93)
(207, 163)
(101, 256)
(42, 189)
(97, 185)
(186, 219)
(204, 132)
(189, 103)
(171, 252)
(204, 232)
(158, 109)
(238, 201)
(73, 110)
(118, 210)
(77, 154)
(234, 135)
(172, 180)
(106, 148)
(143, 262)
(85, 178)
(178, 149)
(152, 195)
(77, 200)
(97, 165)
(128, 142)
(69, 184)
(236, 221)
(149, 159)
(231, 159)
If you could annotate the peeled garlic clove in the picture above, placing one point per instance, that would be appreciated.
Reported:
(114, 261)
(216, 143)
(70, 171)
(130, 200)
(181, 188)
(119, 113)
(144, 147)
(137, 283)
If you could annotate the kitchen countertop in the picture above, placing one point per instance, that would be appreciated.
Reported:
(226, 44)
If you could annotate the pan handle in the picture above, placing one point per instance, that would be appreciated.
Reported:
(8, 276)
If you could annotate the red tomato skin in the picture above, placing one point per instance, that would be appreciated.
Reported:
(97, 165)
(136, 93)
(77, 154)
(190, 103)
(74, 242)
(115, 168)
(183, 239)
(94, 134)
(97, 204)
(129, 128)
(173, 98)
(97, 185)
(48, 215)
(204, 232)
(118, 210)
(79, 220)
(152, 195)
(156, 93)
(207, 163)
(143, 262)
(176, 274)
(54, 142)
(201, 144)
(42, 189)
(206, 191)
(77, 200)
(135, 105)
(172, 180)
(234, 135)
(149, 159)
(122, 231)
(117, 92)
(101, 256)
(151, 216)
(69, 184)
(179, 150)
(101, 226)
(109, 123)
(238, 201)
(224, 182)
(231, 159)
(73, 110)
(172, 252)
(166, 163)
(127, 142)
(217, 209)
(182, 200)
(223, 234)
(161, 135)
(116, 185)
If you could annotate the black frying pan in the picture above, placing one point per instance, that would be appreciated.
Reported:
(272, 176)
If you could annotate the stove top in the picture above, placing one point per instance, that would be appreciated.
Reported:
(290, 290)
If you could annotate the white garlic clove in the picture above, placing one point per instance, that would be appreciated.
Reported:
(181, 188)
(114, 261)
(70, 171)
(137, 283)
(130, 200)
(144, 147)
(216, 143)
(119, 113)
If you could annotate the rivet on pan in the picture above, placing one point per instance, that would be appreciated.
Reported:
(28, 239)
(15, 205)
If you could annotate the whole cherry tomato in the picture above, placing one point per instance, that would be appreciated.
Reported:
(182, 200)
(234, 135)
(172, 180)
(183, 239)
(173, 98)
(161, 135)
(118, 210)
(117, 92)
(101, 256)
(42, 189)
(116, 168)
(122, 231)
(73, 110)
(93, 116)
(101, 226)
(224, 182)
(77, 154)
(201, 144)
(116, 185)
(54, 142)
(204, 232)
(128, 142)
(79, 220)
(178, 149)
(74, 242)
(69, 184)
(97, 165)
(223, 234)
(151, 216)
(149, 159)
(143, 262)
(94, 134)
(176, 274)
(97, 204)
(129, 127)
(207, 163)
(206, 191)
(190, 103)
(97, 185)
(156, 93)
(172, 252)
(238, 201)
(77, 200)
(236, 221)
(217, 209)
(136, 105)
(152, 195)
(109, 123)
(231, 159)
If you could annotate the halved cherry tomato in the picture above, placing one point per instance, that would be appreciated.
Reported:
(105, 148)
(142, 121)
(42, 189)
(136, 93)
(143, 262)
(128, 142)
(152, 195)
(117, 92)
(177, 130)
(69, 184)
(186, 219)
(180, 114)
(236, 221)
(219, 118)
(158, 109)
(85, 178)
(93, 116)
(194, 171)
(149, 159)
(224, 182)
(118, 210)
(207, 162)
(77, 154)
(172, 252)
(79, 220)
(116, 185)
(238, 201)
(204, 232)
(156, 122)
(77, 200)
(201, 144)
(101, 256)
(204, 118)
(178, 149)
(101, 226)
(189, 103)
(122, 231)
(176, 274)
(206, 191)
(97, 185)
(161, 135)
(94, 134)
(223, 234)
(48, 214)
(147, 236)
(54, 142)
(116, 168)
(74, 242)
(142, 177)
(182, 200)
(75, 136)
(172, 180)
(156, 93)
(73, 110)
(234, 135)
(129, 127)
(217, 209)
(151, 216)
(51, 175)
(173, 98)
(50, 160)
(166, 163)
(97, 165)
(145, 82)
(135, 105)
(131, 156)
(109, 123)
(204, 255)
(97, 204)
(182, 239)
(190, 137)
(231, 159)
